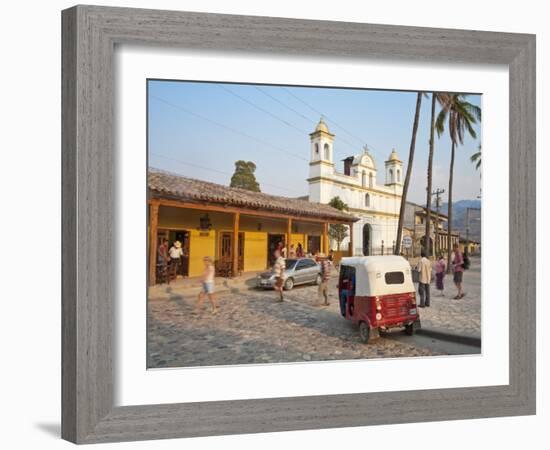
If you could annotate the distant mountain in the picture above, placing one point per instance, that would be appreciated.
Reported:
(459, 217)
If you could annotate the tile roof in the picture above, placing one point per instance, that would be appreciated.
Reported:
(167, 185)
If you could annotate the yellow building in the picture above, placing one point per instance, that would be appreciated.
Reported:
(470, 247)
(213, 220)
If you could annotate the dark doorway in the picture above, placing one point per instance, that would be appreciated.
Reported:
(313, 244)
(273, 241)
(241, 252)
(183, 237)
(226, 250)
(367, 235)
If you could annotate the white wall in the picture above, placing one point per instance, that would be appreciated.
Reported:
(30, 186)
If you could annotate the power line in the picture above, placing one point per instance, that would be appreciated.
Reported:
(263, 110)
(353, 146)
(303, 132)
(197, 166)
(285, 105)
(362, 141)
(229, 128)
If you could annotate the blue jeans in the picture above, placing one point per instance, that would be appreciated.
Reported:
(424, 293)
(343, 301)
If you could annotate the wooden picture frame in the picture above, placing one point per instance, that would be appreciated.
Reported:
(90, 34)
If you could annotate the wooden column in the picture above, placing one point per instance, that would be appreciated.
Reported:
(350, 251)
(235, 244)
(325, 238)
(288, 236)
(153, 226)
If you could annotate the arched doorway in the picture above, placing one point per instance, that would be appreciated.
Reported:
(367, 236)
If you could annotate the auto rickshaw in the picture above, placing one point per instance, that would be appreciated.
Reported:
(377, 293)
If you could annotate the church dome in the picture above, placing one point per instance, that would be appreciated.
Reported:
(393, 156)
(322, 126)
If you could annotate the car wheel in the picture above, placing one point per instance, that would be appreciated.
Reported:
(318, 279)
(289, 284)
(364, 332)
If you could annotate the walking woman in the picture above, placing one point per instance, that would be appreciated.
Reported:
(440, 269)
(458, 270)
(207, 280)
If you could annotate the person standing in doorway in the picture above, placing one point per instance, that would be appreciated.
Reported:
(292, 251)
(325, 276)
(300, 250)
(279, 272)
(162, 256)
(175, 257)
(440, 269)
(207, 280)
(424, 268)
(458, 271)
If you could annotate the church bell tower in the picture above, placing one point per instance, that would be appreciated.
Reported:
(321, 160)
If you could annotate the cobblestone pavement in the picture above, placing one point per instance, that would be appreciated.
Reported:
(462, 316)
(251, 327)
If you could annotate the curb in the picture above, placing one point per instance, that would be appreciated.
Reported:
(474, 341)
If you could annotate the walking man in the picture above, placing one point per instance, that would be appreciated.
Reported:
(424, 268)
(325, 275)
(279, 271)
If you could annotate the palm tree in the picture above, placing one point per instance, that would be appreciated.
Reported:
(476, 158)
(461, 115)
(408, 174)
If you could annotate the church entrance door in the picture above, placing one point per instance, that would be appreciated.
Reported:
(367, 233)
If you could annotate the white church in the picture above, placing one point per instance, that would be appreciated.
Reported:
(377, 205)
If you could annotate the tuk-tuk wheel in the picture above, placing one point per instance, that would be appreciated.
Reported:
(412, 327)
(364, 332)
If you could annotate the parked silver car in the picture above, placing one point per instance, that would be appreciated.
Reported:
(297, 271)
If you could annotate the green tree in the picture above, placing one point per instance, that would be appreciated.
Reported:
(244, 177)
(338, 232)
(408, 175)
(476, 158)
(460, 116)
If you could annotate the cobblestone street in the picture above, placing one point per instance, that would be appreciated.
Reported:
(462, 317)
(251, 327)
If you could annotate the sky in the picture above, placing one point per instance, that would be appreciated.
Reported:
(200, 129)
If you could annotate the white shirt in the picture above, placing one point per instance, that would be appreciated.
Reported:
(175, 252)
(425, 268)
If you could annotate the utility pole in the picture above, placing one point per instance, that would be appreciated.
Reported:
(437, 194)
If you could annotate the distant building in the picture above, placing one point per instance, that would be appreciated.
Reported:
(375, 205)
(471, 247)
(415, 226)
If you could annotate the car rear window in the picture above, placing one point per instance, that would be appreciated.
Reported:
(394, 277)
